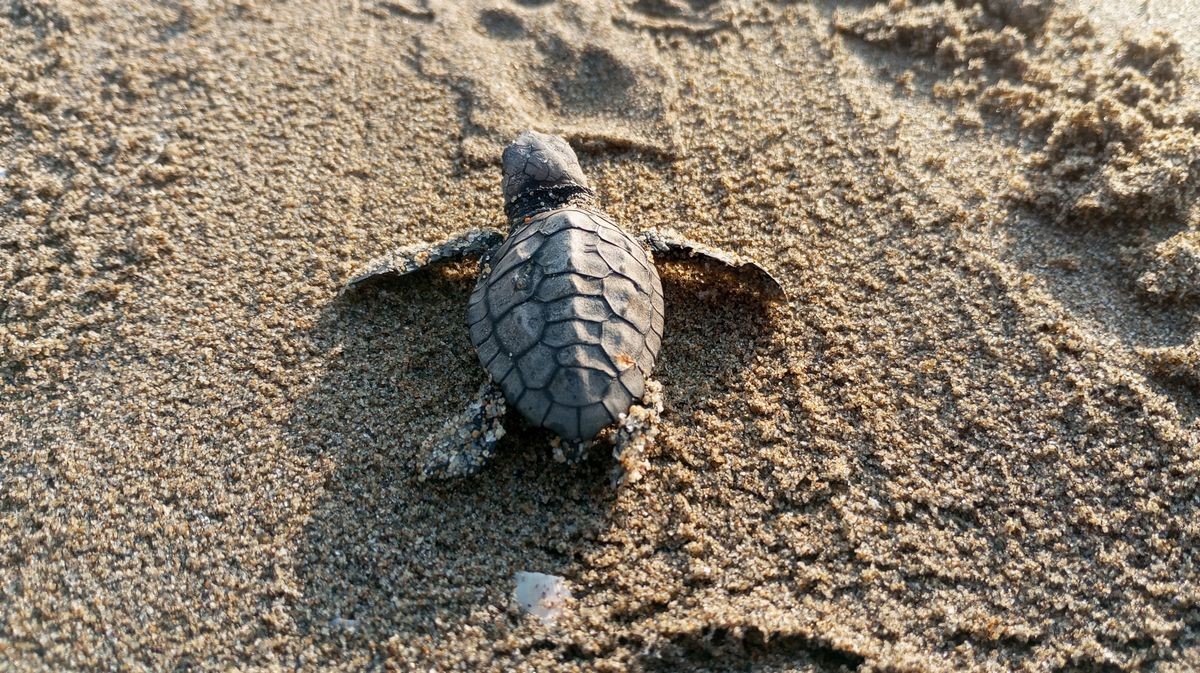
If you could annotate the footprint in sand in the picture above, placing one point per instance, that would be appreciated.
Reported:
(502, 24)
(556, 66)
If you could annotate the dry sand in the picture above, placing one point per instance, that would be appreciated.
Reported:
(969, 443)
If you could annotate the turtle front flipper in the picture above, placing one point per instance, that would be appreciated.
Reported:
(468, 440)
(670, 244)
(413, 257)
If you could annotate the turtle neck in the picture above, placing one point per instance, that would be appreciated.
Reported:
(540, 199)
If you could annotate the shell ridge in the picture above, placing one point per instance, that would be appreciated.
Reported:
(593, 268)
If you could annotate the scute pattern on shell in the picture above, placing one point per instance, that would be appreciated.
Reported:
(569, 321)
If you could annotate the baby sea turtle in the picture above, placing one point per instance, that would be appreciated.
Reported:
(566, 317)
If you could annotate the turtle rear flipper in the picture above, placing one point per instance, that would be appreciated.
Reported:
(670, 244)
(467, 441)
(413, 257)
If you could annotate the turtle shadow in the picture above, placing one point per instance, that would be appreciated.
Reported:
(383, 555)
(715, 327)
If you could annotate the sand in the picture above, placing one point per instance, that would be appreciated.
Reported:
(968, 443)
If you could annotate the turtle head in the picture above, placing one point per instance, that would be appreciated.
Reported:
(541, 171)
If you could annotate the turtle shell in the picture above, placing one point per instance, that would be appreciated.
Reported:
(569, 321)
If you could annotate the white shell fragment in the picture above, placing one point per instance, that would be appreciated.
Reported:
(541, 595)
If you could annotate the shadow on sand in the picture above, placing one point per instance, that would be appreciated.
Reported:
(384, 555)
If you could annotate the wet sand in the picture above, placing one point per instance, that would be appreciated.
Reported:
(968, 443)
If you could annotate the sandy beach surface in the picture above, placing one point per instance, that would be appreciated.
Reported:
(969, 442)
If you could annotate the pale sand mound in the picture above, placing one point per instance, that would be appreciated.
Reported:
(969, 443)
